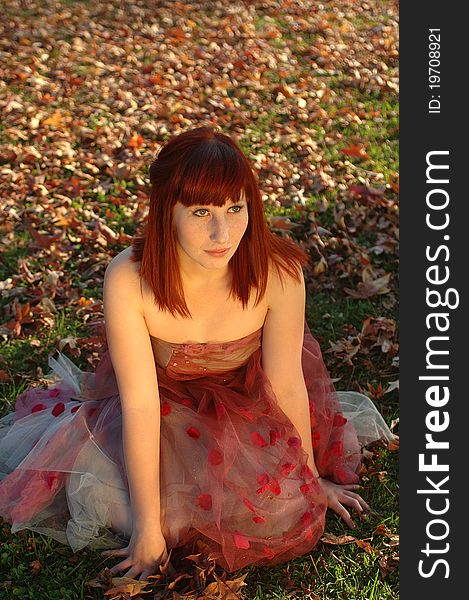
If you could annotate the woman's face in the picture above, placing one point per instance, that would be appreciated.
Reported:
(203, 230)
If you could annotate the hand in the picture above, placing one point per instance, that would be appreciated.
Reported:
(339, 495)
(145, 552)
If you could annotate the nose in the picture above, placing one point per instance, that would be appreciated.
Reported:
(219, 232)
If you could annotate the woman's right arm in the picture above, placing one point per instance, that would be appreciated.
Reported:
(132, 358)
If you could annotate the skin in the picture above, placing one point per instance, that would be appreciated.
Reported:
(201, 228)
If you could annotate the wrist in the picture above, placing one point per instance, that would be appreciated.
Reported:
(147, 524)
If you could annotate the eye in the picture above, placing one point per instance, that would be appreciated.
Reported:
(237, 208)
(199, 210)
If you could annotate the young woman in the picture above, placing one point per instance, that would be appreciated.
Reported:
(211, 413)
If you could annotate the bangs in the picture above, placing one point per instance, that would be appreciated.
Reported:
(213, 174)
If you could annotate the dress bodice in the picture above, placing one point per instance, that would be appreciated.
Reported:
(197, 360)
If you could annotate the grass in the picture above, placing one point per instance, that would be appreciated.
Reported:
(37, 567)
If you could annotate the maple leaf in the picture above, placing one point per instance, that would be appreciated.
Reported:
(356, 150)
(125, 587)
(224, 590)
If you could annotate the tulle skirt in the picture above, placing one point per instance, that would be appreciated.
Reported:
(232, 468)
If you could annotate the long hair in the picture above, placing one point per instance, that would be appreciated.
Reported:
(205, 167)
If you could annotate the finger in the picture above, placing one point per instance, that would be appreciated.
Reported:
(353, 503)
(351, 486)
(343, 514)
(359, 498)
(133, 572)
(121, 566)
(117, 552)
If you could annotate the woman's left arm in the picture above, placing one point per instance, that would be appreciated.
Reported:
(282, 344)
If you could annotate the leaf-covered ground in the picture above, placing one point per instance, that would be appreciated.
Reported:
(88, 93)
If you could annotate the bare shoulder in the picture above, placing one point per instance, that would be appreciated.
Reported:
(122, 276)
(281, 285)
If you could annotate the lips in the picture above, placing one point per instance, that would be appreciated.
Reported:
(218, 252)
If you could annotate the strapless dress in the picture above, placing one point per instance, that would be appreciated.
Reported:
(232, 468)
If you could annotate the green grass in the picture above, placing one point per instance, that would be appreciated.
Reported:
(330, 572)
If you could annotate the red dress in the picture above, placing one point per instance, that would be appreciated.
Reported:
(232, 467)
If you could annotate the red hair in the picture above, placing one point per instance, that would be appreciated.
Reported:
(205, 167)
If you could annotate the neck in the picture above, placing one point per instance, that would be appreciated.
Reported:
(195, 276)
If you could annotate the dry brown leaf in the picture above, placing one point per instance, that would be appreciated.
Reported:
(330, 538)
(55, 119)
(371, 288)
(393, 445)
(283, 223)
(126, 586)
(36, 567)
(366, 546)
(387, 564)
(225, 590)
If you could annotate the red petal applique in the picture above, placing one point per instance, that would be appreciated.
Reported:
(295, 442)
(75, 408)
(262, 479)
(339, 420)
(53, 393)
(246, 413)
(258, 440)
(262, 489)
(220, 409)
(287, 468)
(306, 473)
(316, 437)
(258, 519)
(38, 407)
(187, 402)
(307, 518)
(274, 436)
(165, 409)
(305, 488)
(241, 541)
(58, 409)
(268, 552)
(341, 475)
(193, 432)
(215, 457)
(51, 479)
(274, 486)
(205, 501)
(309, 534)
(249, 504)
(337, 448)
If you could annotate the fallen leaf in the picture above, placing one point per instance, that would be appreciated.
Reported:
(125, 587)
(36, 567)
(387, 565)
(330, 538)
(282, 223)
(371, 288)
(225, 590)
(55, 119)
(355, 150)
(393, 385)
(366, 546)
